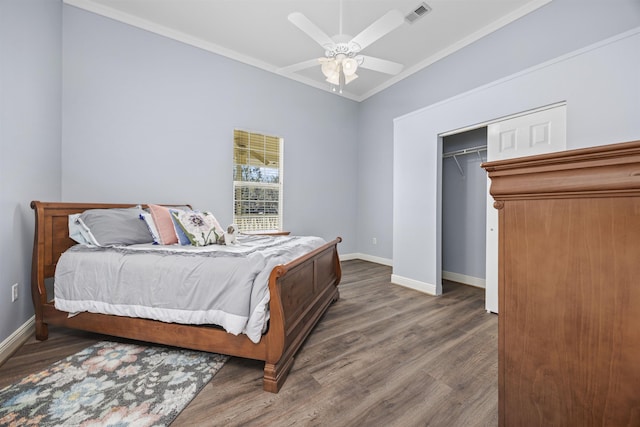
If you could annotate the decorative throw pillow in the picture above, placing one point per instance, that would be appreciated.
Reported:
(162, 219)
(148, 220)
(182, 238)
(202, 228)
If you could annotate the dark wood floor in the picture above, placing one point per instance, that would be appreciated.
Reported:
(382, 355)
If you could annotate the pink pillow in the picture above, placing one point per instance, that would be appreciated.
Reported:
(162, 219)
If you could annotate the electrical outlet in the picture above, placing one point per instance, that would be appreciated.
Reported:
(14, 292)
(374, 241)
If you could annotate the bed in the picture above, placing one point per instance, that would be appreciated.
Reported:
(300, 292)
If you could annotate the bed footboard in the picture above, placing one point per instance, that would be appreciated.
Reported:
(301, 292)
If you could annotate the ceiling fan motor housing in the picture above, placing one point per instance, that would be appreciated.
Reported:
(347, 49)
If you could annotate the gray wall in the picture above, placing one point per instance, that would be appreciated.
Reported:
(600, 86)
(30, 72)
(557, 28)
(149, 119)
(464, 207)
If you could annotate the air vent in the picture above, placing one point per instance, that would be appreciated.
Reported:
(417, 13)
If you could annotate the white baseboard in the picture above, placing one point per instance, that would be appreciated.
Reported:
(365, 257)
(462, 278)
(417, 285)
(16, 339)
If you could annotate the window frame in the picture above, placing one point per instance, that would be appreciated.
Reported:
(257, 184)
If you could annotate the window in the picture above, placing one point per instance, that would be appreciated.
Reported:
(257, 181)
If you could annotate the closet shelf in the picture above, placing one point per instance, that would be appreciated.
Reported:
(462, 152)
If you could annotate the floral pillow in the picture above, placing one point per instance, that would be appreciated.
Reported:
(201, 228)
(182, 238)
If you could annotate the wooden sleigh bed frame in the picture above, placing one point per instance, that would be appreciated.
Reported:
(301, 291)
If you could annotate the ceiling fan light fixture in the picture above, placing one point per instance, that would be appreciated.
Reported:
(349, 67)
(334, 78)
(342, 59)
(330, 67)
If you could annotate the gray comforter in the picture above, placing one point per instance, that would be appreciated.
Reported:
(217, 284)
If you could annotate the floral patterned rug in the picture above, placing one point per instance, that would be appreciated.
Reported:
(110, 384)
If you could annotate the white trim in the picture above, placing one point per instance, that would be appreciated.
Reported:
(521, 73)
(365, 257)
(349, 257)
(463, 278)
(499, 119)
(416, 285)
(16, 339)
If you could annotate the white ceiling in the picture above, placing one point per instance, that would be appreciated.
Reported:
(257, 32)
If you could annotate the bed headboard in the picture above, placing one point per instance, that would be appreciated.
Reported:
(52, 231)
(51, 237)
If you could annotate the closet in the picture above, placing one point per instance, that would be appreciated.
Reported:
(569, 287)
(464, 190)
(525, 133)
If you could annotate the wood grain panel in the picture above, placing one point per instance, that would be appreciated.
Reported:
(325, 274)
(569, 328)
(585, 295)
(298, 291)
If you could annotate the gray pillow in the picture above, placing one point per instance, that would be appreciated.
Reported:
(107, 227)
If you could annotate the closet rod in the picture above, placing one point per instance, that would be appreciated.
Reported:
(477, 149)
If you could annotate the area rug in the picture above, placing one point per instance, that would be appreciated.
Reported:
(110, 384)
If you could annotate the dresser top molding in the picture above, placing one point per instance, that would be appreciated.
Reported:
(602, 171)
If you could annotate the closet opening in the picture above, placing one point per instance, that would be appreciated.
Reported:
(467, 219)
(464, 202)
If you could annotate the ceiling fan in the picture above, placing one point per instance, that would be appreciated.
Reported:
(342, 52)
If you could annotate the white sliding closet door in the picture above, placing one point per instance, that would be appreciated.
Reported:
(539, 132)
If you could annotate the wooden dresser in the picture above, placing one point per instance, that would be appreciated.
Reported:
(569, 287)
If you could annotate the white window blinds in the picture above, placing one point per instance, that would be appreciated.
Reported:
(257, 181)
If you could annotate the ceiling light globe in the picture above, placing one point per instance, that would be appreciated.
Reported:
(329, 68)
(349, 66)
(334, 78)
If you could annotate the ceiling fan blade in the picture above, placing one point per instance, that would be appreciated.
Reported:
(381, 65)
(299, 66)
(311, 29)
(387, 23)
